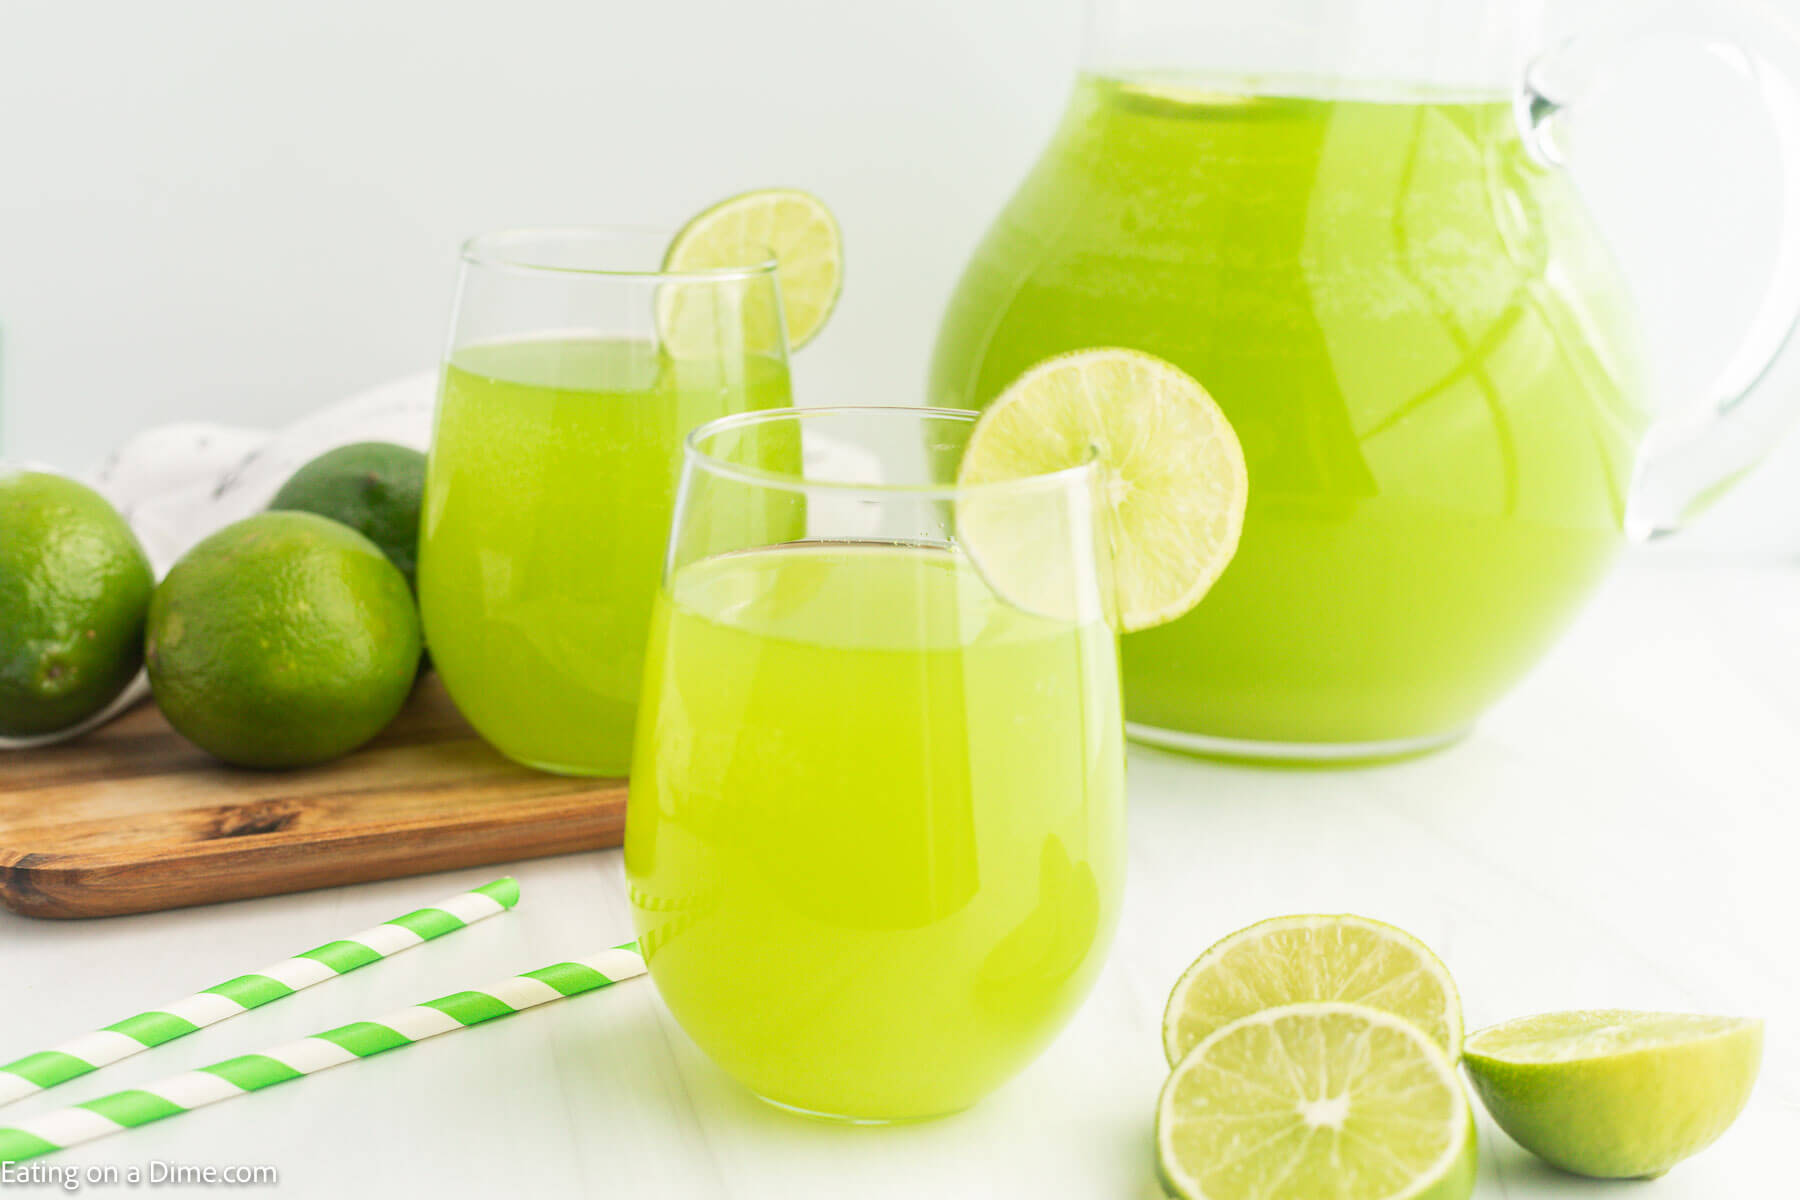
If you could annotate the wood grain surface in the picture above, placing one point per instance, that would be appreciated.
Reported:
(134, 818)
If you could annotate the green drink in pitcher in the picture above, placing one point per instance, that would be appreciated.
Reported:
(553, 469)
(1437, 398)
(1358, 224)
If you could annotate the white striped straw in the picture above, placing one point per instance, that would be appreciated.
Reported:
(361, 1039)
(133, 1035)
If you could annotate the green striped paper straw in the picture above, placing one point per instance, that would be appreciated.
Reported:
(361, 1039)
(47, 1068)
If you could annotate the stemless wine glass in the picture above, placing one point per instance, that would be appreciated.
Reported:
(576, 365)
(876, 833)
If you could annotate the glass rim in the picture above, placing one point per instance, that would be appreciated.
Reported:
(489, 250)
(696, 456)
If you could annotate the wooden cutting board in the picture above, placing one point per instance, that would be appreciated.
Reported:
(133, 818)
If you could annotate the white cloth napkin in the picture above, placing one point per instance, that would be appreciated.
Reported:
(178, 483)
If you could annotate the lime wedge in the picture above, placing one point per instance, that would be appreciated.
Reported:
(1288, 960)
(793, 226)
(1173, 481)
(1316, 1101)
(1615, 1095)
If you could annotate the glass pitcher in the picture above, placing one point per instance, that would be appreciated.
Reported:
(1354, 224)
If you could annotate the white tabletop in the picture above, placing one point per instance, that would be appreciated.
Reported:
(1623, 831)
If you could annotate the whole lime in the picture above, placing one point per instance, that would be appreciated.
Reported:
(74, 587)
(376, 488)
(284, 640)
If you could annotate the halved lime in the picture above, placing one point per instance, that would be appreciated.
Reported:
(1173, 487)
(793, 226)
(1316, 1101)
(1615, 1094)
(1288, 960)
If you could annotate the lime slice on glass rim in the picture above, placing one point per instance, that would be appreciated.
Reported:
(1289, 960)
(1172, 493)
(1615, 1094)
(1314, 1100)
(793, 227)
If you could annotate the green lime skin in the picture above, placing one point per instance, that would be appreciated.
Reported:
(376, 488)
(1632, 1114)
(284, 640)
(74, 588)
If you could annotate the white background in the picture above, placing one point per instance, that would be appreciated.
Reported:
(240, 211)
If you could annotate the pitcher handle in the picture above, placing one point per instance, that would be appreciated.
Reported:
(1692, 456)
